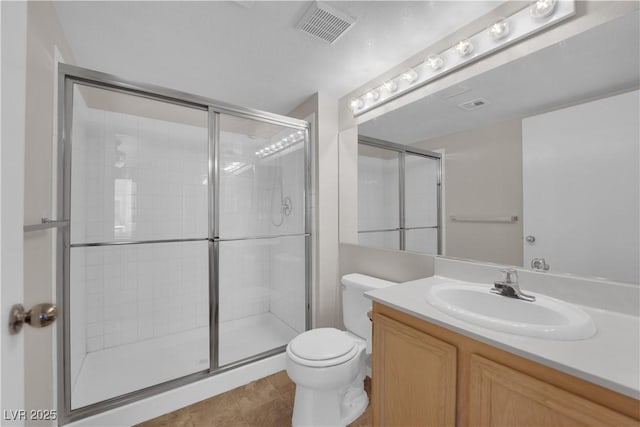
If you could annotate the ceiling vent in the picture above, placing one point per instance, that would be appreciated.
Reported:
(325, 22)
(474, 104)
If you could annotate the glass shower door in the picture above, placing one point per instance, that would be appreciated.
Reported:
(137, 252)
(261, 237)
(378, 197)
(421, 188)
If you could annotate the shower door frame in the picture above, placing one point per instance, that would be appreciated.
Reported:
(402, 151)
(68, 77)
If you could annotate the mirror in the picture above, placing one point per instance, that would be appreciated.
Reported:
(540, 156)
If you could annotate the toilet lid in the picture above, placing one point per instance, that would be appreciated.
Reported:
(321, 344)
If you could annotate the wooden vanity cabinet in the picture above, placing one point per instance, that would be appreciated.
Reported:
(426, 375)
(415, 377)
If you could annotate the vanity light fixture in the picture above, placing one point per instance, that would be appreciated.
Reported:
(464, 48)
(391, 86)
(356, 104)
(409, 76)
(373, 95)
(542, 8)
(532, 18)
(435, 62)
(499, 30)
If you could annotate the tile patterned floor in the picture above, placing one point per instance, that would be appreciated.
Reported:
(267, 402)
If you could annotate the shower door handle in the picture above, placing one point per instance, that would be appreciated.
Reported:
(39, 316)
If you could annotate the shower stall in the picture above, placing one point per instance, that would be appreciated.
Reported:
(188, 246)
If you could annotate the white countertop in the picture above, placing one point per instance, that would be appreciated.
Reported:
(611, 358)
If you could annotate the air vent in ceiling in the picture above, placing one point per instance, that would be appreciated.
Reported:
(325, 22)
(474, 104)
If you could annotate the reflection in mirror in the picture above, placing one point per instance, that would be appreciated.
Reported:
(398, 197)
(540, 156)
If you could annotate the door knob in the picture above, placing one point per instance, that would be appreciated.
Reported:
(39, 316)
(530, 239)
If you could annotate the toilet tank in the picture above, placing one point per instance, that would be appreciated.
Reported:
(355, 304)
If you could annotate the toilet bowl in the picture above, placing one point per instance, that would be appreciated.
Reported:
(328, 365)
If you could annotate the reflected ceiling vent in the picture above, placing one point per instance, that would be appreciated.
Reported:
(325, 22)
(474, 104)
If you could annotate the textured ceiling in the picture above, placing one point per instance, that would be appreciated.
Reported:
(250, 53)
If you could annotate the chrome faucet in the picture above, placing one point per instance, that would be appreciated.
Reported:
(510, 288)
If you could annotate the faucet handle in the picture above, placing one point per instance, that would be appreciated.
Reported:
(509, 274)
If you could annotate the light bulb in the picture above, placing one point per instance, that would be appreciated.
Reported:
(499, 30)
(373, 95)
(435, 62)
(464, 48)
(391, 86)
(356, 104)
(542, 8)
(410, 75)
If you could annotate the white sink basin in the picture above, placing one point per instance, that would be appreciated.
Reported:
(546, 317)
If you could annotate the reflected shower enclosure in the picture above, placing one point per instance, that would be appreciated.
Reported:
(399, 197)
(188, 250)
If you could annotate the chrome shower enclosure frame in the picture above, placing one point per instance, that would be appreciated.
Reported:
(68, 77)
(402, 151)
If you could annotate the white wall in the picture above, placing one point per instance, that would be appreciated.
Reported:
(348, 199)
(13, 26)
(45, 37)
(325, 204)
(582, 188)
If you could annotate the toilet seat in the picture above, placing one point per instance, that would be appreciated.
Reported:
(322, 347)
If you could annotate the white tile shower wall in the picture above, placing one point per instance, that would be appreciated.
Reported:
(377, 193)
(251, 196)
(287, 275)
(138, 292)
(143, 179)
(78, 292)
(287, 281)
(78, 322)
(421, 191)
(136, 178)
(244, 278)
(258, 276)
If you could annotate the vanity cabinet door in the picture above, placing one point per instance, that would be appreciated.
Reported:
(501, 396)
(414, 377)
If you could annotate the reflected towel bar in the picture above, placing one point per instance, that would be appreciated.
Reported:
(46, 223)
(497, 219)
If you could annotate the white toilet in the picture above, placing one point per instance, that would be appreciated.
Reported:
(328, 365)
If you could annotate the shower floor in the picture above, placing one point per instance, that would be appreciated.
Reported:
(119, 370)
